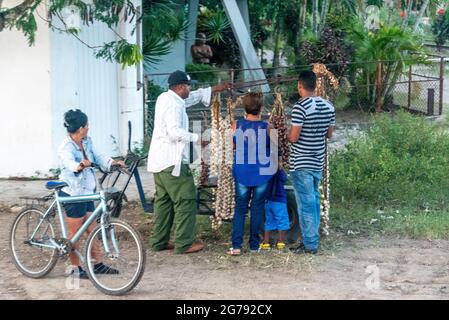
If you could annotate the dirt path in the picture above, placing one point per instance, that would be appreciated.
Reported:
(407, 269)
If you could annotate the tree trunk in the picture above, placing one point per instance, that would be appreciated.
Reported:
(315, 18)
(302, 17)
(420, 15)
(277, 49)
(302, 5)
(361, 8)
(378, 86)
(324, 11)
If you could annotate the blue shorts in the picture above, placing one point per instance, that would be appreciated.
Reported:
(276, 216)
(77, 210)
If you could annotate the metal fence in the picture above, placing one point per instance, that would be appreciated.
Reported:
(419, 88)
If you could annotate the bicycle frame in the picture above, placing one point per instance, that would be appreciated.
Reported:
(100, 210)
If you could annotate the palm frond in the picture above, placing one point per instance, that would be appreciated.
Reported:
(154, 47)
(178, 27)
(216, 26)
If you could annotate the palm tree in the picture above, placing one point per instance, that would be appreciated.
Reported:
(421, 14)
(163, 22)
(382, 57)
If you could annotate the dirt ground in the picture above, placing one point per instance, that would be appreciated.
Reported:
(346, 268)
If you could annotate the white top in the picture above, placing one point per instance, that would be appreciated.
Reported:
(171, 136)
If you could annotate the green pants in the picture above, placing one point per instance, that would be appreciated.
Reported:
(175, 201)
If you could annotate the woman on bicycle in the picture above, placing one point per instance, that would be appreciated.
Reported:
(76, 155)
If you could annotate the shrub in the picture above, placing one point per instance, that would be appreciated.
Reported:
(153, 92)
(440, 28)
(204, 73)
(401, 161)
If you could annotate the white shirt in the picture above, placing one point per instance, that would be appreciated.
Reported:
(171, 136)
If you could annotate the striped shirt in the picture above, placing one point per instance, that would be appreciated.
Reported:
(315, 115)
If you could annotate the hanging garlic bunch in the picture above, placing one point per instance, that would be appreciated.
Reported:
(225, 197)
(325, 194)
(278, 122)
(322, 75)
(205, 167)
(215, 145)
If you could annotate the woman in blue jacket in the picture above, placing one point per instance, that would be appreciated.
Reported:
(76, 154)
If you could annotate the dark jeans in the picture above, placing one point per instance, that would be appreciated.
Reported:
(243, 195)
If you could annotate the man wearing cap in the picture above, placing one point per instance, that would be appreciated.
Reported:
(168, 160)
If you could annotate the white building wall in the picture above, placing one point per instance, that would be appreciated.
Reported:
(39, 83)
(25, 104)
(79, 80)
(131, 106)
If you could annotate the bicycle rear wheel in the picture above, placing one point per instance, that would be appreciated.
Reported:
(127, 256)
(33, 260)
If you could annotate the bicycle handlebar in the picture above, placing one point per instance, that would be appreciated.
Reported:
(112, 169)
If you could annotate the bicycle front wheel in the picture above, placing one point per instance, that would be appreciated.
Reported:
(33, 255)
(124, 265)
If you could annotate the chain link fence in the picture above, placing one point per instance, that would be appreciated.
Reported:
(418, 88)
(421, 89)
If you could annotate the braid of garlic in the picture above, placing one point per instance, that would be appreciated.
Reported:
(224, 200)
(325, 195)
(322, 72)
(278, 122)
(215, 150)
(205, 166)
(227, 166)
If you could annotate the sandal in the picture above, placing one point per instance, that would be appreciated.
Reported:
(265, 246)
(280, 245)
(234, 252)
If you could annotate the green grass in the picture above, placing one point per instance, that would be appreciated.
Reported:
(394, 181)
(365, 220)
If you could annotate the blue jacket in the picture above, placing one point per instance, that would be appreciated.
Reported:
(70, 156)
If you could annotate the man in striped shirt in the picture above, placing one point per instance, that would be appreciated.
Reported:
(313, 120)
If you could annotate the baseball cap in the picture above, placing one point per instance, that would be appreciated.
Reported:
(180, 77)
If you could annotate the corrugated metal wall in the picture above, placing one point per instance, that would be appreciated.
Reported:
(98, 87)
(80, 80)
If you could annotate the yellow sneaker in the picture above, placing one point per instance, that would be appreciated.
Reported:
(280, 245)
(265, 246)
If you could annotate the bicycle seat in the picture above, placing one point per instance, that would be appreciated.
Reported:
(52, 185)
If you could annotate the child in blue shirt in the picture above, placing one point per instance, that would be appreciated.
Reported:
(276, 213)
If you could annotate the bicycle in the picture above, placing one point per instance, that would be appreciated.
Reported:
(35, 249)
